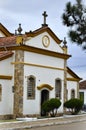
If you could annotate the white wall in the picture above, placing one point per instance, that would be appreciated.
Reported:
(43, 76)
(71, 85)
(6, 67)
(2, 34)
(40, 59)
(6, 104)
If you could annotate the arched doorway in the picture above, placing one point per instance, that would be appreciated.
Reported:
(44, 97)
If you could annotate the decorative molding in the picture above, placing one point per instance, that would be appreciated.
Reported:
(5, 77)
(73, 79)
(37, 65)
(45, 86)
(37, 50)
(45, 41)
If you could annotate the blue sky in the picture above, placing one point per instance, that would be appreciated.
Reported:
(29, 14)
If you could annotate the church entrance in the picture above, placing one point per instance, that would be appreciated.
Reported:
(44, 97)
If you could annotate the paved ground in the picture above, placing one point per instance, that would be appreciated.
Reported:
(20, 125)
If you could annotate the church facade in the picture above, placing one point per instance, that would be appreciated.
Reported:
(33, 69)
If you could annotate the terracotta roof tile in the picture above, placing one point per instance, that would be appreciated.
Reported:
(82, 84)
(5, 55)
(7, 41)
(10, 41)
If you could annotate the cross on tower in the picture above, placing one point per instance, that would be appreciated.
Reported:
(45, 15)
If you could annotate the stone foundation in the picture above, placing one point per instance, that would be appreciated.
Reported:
(10, 116)
(6, 117)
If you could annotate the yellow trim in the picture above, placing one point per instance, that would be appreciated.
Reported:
(44, 86)
(37, 65)
(37, 50)
(5, 77)
(19, 40)
(72, 79)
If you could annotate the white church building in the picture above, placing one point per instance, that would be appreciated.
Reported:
(33, 68)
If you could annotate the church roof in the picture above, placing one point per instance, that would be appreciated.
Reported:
(82, 84)
(75, 76)
(5, 31)
(5, 54)
(7, 41)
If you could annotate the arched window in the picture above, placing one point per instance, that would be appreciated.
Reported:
(31, 87)
(72, 93)
(58, 88)
(0, 92)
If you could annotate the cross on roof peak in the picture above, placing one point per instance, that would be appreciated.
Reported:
(45, 15)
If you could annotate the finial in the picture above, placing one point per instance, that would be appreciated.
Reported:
(45, 15)
(19, 38)
(15, 32)
(65, 46)
(65, 42)
(19, 29)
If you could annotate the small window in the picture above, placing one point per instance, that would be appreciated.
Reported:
(58, 88)
(72, 93)
(0, 92)
(31, 87)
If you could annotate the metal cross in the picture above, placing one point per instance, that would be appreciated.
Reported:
(45, 15)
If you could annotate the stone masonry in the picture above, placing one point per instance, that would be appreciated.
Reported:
(18, 83)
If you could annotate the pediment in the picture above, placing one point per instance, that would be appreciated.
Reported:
(45, 39)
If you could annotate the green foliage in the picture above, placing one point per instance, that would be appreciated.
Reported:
(74, 104)
(45, 106)
(51, 106)
(74, 17)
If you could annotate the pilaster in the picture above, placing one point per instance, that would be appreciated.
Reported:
(65, 73)
(18, 83)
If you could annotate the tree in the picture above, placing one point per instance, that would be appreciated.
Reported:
(74, 16)
(51, 106)
(74, 104)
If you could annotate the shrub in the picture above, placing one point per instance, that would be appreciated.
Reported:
(51, 106)
(45, 108)
(74, 104)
